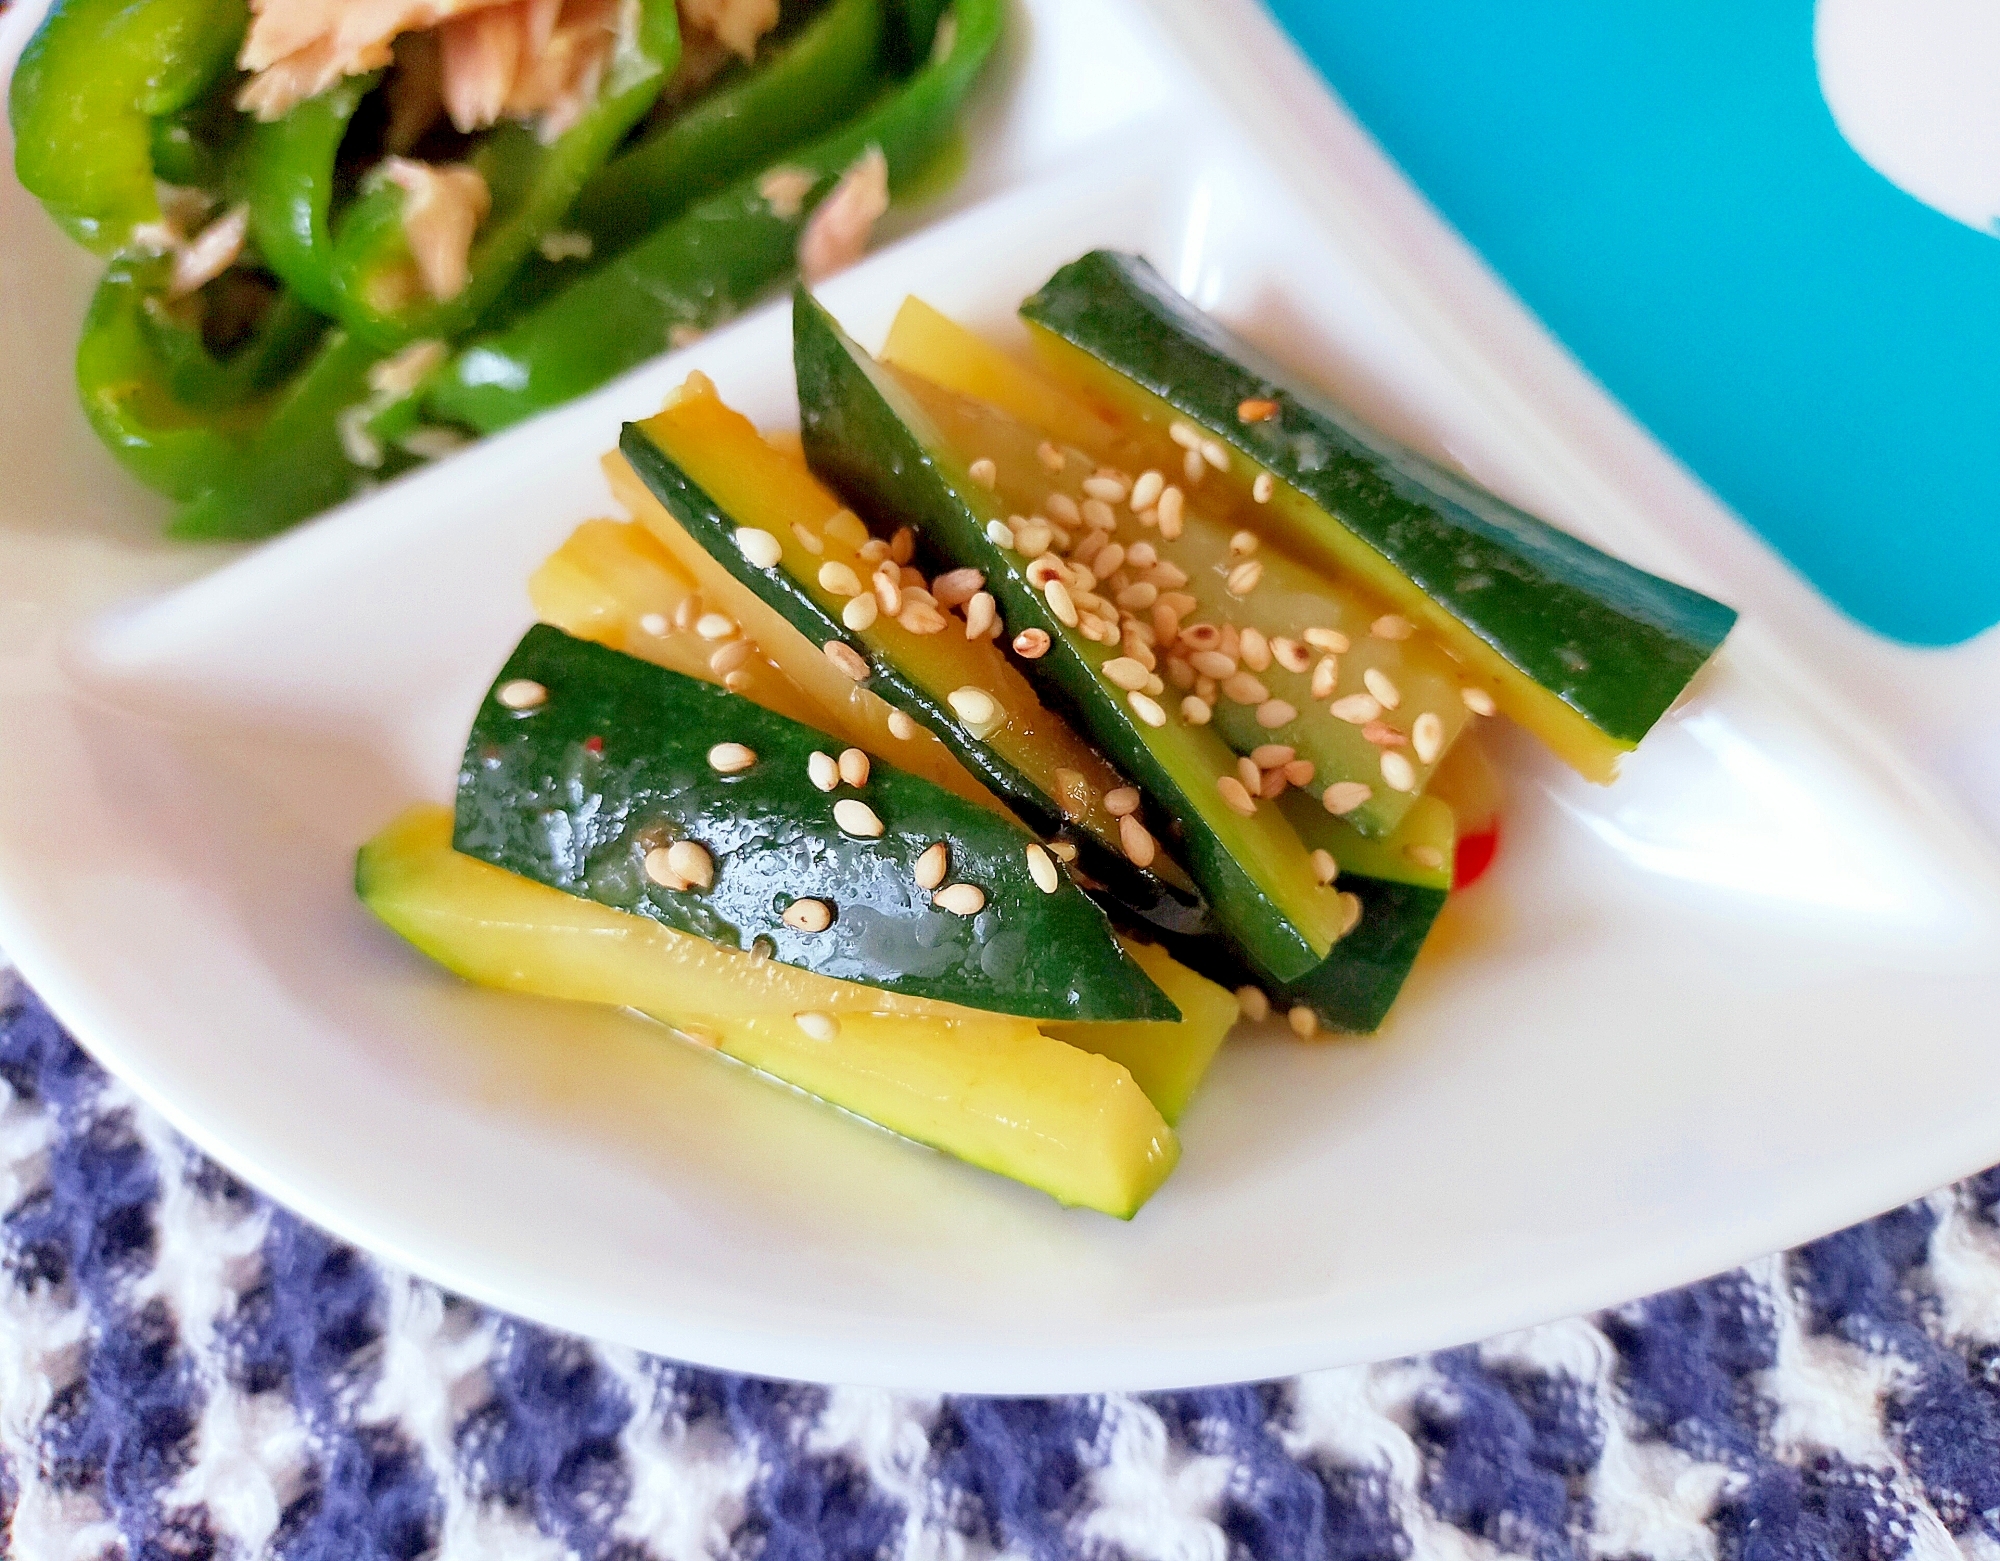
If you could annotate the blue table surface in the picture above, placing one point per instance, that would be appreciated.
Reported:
(1666, 187)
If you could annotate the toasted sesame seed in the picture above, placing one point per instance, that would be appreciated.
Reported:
(1105, 487)
(760, 548)
(1350, 905)
(839, 578)
(1216, 453)
(1107, 561)
(1328, 640)
(1000, 534)
(982, 616)
(1031, 644)
(1137, 841)
(956, 587)
(655, 624)
(1426, 856)
(1325, 868)
(1042, 868)
(873, 551)
(820, 1026)
(1236, 794)
(854, 766)
(687, 610)
(808, 915)
(739, 680)
(715, 626)
(730, 657)
(1197, 711)
(1398, 771)
(846, 658)
(1062, 850)
(1057, 596)
(1050, 457)
(1213, 664)
(1172, 510)
(690, 861)
(1262, 488)
(888, 589)
(857, 818)
(522, 694)
(901, 727)
(1180, 674)
(921, 618)
(822, 770)
(1252, 1004)
(961, 899)
(860, 612)
(978, 710)
(903, 545)
(932, 865)
(1201, 636)
(1274, 713)
(1253, 650)
(1063, 507)
(1343, 797)
(1142, 555)
(1269, 756)
(983, 472)
(1325, 677)
(1477, 700)
(1125, 672)
(1121, 800)
(1192, 470)
(1391, 626)
(1242, 580)
(1290, 654)
(809, 539)
(1248, 772)
(1304, 1022)
(1427, 736)
(1299, 772)
(1245, 689)
(1243, 544)
(1186, 435)
(731, 758)
(1138, 596)
(1356, 709)
(1147, 490)
(1099, 514)
(659, 869)
(1383, 735)
(1147, 708)
(1383, 687)
(1042, 570)
(1257, 409)
(1272, 786)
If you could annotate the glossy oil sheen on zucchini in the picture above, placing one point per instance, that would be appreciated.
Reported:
(869, 441)
(1584, 650)
(585, 768)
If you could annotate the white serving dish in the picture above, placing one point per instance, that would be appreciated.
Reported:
(1740, 999)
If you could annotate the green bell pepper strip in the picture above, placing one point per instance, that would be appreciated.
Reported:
(295, 462)
(532, 184)
(288, 180)
(709, 263)
(89, 86)
(173, 415)
(809, 85)
(827, 71)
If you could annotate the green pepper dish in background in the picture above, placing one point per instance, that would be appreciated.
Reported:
(304, 300)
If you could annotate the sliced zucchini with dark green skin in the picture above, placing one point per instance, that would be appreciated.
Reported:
(1584, 650)
(1395, 887)
(1019, 759)
(585, 767)
(869, 441)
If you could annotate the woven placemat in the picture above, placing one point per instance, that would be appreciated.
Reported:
(188, 1371)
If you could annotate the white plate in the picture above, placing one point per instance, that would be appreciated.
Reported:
(1735, 1001)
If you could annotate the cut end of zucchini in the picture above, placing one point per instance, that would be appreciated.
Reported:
(1584, 650)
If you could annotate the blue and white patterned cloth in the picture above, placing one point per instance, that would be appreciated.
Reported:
(187, 1371)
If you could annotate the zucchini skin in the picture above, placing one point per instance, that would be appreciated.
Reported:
(1140, 893)
(613, 761)
(864, 438)
(1612, 643)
